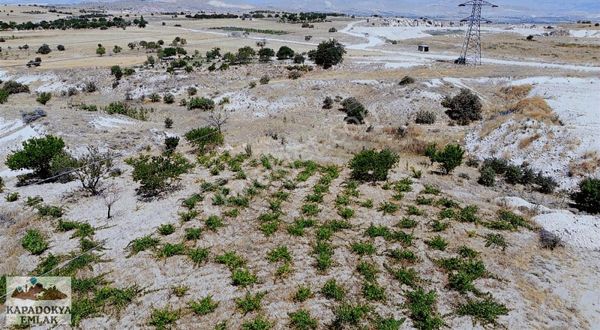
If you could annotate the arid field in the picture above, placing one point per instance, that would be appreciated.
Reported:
(263, 222)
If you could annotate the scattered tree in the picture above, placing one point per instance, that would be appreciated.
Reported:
(265, 54)
(449, 158)
(37, 155)
(205, 138)
(110, 195)
(329, 53)
(464, 107)
(44, 49)
(100, 50)
(92, 168)
(355, 111)
(285, 53)
(156, 174)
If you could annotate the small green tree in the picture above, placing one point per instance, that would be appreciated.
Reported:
(285, 53)
(100, 50)
(157, 173)
(265, 54)
(205, 138)
(370, 165)
(116, 71)
(329, 53)
(449, 158)
(588, 197)
(37, 155)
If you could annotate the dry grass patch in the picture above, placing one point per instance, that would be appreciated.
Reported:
(526, 142)
(535, 108)
(514, 93)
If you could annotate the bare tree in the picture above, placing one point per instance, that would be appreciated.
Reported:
(110, 195)
(217, 119)
(93, 167)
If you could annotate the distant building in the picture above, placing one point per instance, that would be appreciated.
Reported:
(423, 48)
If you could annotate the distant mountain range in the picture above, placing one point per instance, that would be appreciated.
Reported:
(527, 10)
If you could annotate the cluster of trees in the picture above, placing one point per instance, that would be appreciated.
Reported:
(70, 23)
(309, 17)
(211, 16)
(515, 174)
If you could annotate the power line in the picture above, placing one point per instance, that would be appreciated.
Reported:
(471, 49)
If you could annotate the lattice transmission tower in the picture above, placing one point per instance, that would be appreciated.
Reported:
(471, 49)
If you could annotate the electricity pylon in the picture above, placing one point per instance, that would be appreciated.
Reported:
(471, 49)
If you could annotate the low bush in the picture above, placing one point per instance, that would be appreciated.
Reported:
(205, 138)
(156, 174)
(425, 117)
(355, 111)
(587, 198)
(464, 107)
(370, 165)
(168, 98)
(201, 103)
(34, 242)
(407, 80)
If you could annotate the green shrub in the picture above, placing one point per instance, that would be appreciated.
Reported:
(203, 306)
(166, 229)
(3, 96)
(242, 277)
(37, 155)
(12, 197)
(587, 198)
(363, 248)
(323, 253)
(43, 98)
(302, 294)
(437, 243)
(13, 87)
(34, 242)
(205, 138)
(280, 253)
(250, 302)
(355, 111)
(464, 107)
(285, 53)
(328, 53)
(449, 158)
(156, 174)
(349, 314)
(258, 323)
(231, 260)
(370, 165)
(421, 307)
(488, 177)
(170, 250)
(143, 243)
(301, 320)
(484, 311)
(213, 223)
(201, 103)
(368, 270)
(373, 291)
(331, 290)
(198, 255)
(163, 318)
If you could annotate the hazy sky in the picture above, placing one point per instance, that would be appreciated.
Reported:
(590, 8)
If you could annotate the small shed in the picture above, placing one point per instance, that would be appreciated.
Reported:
(423, 48)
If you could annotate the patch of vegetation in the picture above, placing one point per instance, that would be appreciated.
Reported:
(143, 243)
(464, 107)
(485, 312)
(198, 255)
(303, 293)
(348, 314)
(421, 307)
(363, 248)
(302, 320)
(231, 260)
(332, 290)
(449, 158)
(156, 174)
(496, 240)
(34, 242)
(170, 250)
(203, 306)
(437, 243)
(163, 318)
(250, 302)
(373, 291)
(587, 198)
